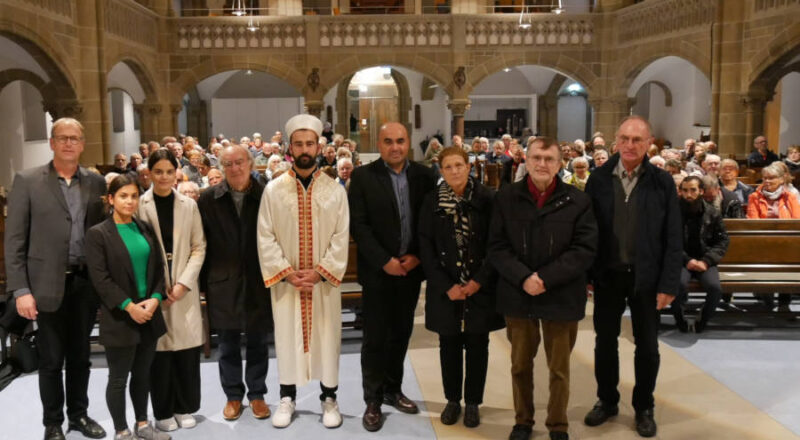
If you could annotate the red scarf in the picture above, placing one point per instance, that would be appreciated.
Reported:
(538, 196)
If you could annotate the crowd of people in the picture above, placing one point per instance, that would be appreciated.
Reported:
(262, 230)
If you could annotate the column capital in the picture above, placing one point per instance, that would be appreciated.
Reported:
(315, 107)
(175, 109)
(64, 108)
(459, 107)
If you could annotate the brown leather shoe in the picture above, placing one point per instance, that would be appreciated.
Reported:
(259, 408)
(233, 409)
(401, 402)
(373, 418)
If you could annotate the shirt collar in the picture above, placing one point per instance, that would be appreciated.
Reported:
(622, 173)
(403, 171)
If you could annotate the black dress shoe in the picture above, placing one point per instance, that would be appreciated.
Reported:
(373, 418)
(645, 423)
(450, 413)
(400, 402)
(53, 432)
(600, 413)
(520, 432)
(472, 416)
(87, 427)
(559, 435)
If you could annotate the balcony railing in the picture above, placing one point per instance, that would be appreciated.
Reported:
(656, 18)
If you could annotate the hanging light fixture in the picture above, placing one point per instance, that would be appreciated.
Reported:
(251, 25)
(238, 9)
(523, 23)
(559, 10)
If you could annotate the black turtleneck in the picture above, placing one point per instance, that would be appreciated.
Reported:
(164, 208)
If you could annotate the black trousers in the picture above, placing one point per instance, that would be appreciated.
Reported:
(136, 361)
(63, 342)
(710, 282)
(388, 321)
(610, 299)
(230, 364)
(175, 382)
(451, 355)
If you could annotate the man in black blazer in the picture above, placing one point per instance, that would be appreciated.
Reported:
(385, 197)
(231, 278)
(50, 208)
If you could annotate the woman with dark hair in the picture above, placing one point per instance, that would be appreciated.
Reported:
(126, 268)
(460, 302)
(175, 375)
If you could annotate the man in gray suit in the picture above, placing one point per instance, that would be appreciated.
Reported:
(49, 210)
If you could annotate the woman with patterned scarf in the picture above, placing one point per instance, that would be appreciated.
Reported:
(460, 301)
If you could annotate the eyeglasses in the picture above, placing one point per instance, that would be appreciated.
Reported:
(548, 160)
(237, 163)
(74, 140)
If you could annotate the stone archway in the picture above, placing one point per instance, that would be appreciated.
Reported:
(639, 59)
(141, 72)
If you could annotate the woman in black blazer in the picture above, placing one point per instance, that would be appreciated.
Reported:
(459, 298)
(126, 268)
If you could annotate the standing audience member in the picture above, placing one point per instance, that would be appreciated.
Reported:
(705, 242)
(130, 319)
(542, 241)
(384, 206)
(175, 374)
(638, 263)
(303, 255)
(237, 300)
(49, 210)
(460, 294)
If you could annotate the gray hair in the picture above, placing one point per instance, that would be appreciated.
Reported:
(189, 184)
(773, 169)
(65, 121)
(710, 182)
(141, 167)
(239, 147)
(658, 160)
(580, 159)
(343, 160)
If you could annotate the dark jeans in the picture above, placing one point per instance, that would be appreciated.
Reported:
(388, 321)
(610, 299)
(230, 364)
(451, 356)
(710, 282)
(175, 382)
(136, 361)
(291, 391)
(63, 342)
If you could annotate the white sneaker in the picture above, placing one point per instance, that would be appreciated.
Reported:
(186, 421)
(283, 415)
(167, 425)
(331, 418)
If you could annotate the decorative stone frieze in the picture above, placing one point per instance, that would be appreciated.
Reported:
(59, 9)
(655, 19)
(133, 22)
(385, 31)
(764, 5)
(543, 31)
(236, 33)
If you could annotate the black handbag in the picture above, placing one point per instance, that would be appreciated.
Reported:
(24, 355)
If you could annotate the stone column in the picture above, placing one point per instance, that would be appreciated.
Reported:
(148, 114)
(175, 110)
(315, 107)
(608, 112)
(196, 120)
(459, 108)
(754, 107)
(548, 116)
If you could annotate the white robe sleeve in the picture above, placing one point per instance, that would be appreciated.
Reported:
(274, 265)
(333, 264)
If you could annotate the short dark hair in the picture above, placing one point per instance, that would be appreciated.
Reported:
(120, 181)
(159, 155)
(547, 143)
(453, 151)
(694, 179)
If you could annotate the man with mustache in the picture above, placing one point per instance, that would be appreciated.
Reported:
(303, 238)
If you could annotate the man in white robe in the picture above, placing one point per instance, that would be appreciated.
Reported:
(303, 238)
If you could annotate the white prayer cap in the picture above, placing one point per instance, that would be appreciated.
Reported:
(303, 122)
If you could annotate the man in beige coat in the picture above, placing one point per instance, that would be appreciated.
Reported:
(176, 220)
(303, 238)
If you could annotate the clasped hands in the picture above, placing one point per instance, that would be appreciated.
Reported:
(400, 267)
(304, 280)
(462, 291)
(143, 311)
(534, 285)
(697, 265)
(173, 295)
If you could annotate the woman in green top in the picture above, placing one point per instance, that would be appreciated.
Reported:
(126, 267)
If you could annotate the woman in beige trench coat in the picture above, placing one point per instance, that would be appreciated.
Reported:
(175, 375)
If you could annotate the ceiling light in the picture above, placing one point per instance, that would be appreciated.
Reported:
(507, 69)
(249, 72)
(559, 10)
(238, 9)
(362, 88)
(523, 23)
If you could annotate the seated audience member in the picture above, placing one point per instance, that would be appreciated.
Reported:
(694, 166)
(673, 166)
(721, 199)
(328, 158)
(351, 145)
(136, 160)
(600, 157)
(214, 176)
(345, 167)
(432, 153)
(793, 159)
(191, 171)
(788, 177)
(343, 152)
(762, 156)
(678, 178)
(652, 151)
(705, 242)
(120, 164)
(580, 175)
(272, 165)
(511, 169)
(189, 189)
(262, 156)
(110, 176)
(497, 154)
(688, 149)
(728, 173)
(203, 168)
(214, 151)
(771, 199)
(658, 161)
(143, 177)
(711, 147)
(711, 165)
